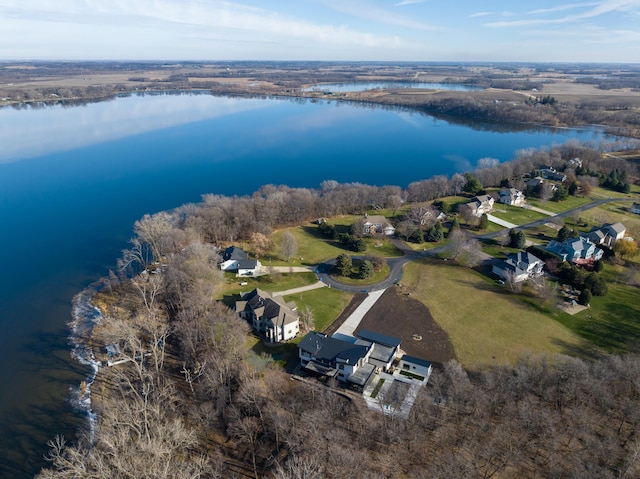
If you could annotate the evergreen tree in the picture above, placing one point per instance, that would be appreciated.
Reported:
(517, 239)
(473, 185)
(366, 269)
(344, 265)
(435, 233)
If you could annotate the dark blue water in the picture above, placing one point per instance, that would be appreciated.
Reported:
(74, 179)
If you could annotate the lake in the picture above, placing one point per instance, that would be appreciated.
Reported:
(74, 179)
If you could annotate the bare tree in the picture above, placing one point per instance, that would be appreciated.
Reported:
(306, 315)
(288, 245)
(261, 243)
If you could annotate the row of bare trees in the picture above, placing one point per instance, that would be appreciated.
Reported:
(186, 403)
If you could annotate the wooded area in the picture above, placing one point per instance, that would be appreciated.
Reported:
(189, 404)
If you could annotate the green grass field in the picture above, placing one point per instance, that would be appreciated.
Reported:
(326, 304)
(515, 215)
(314, 248)
(271, 283)
(486, 323)
(559, 206)
(612, 323)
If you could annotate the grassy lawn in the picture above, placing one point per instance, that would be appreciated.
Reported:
(485, 323)
(314, 248)
(326, 304)
(600, 192)
(613, 321)
(559, 206)
(612, 213)
(270, 283)
(354, 279)
(497, 251)
(515, 215)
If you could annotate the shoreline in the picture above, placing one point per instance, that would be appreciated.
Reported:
(85, 316)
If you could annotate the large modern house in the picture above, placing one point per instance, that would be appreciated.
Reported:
(576, 250)
(519, 266)
(235, 259)
(350, 360)
(272, 317)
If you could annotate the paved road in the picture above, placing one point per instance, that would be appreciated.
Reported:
(397, 264)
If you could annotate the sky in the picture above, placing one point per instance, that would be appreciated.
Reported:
(332, 30)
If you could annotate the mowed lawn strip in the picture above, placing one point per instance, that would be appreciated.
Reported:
(486, 324)
(516, 215)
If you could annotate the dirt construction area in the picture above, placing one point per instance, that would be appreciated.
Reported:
(399, 316)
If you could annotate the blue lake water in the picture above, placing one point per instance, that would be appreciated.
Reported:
(363, 86)
(74, 179)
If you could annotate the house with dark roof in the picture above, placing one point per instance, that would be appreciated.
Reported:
(415, 365)
(272, 317)
(337, 358)
(519, 266)
(576, 250)
(236, 259)
(385, 348)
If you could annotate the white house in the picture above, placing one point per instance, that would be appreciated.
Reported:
(480, 205)
(236, 259)
(607, 234)
(519, 267)
(347, 361)
(511, 196)
(415, 365)
(272, 317)
(377, 225)
(385, 348)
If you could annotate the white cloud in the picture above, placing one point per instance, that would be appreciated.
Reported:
(369, 12)
(480, 14)
(409, 2)
(598, 9)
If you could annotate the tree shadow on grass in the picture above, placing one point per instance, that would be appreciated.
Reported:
(616, 330)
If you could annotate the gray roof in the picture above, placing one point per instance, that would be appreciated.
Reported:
(264, 305)
(247, 264)
(378, 338)
(617, 227)
(324, 348)
(235, 253)
(416, 361)
(362, 375)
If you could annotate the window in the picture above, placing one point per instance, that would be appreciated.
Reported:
(341, 366)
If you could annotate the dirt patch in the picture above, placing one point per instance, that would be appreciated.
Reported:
(399, 316)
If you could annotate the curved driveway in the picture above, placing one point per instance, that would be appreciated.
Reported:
(397, 264)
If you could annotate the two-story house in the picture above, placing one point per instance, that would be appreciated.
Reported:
(272, 317)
